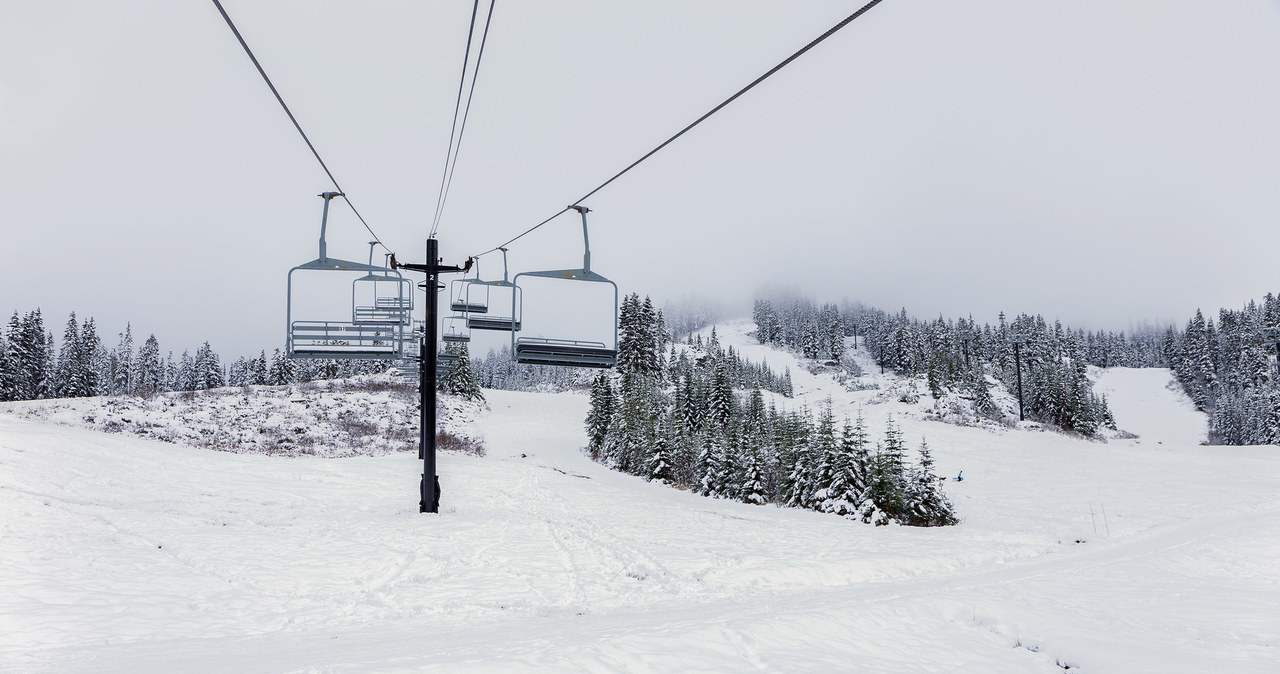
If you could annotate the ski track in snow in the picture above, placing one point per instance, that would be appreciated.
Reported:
(1152, 554)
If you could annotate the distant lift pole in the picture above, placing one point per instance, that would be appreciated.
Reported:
(429, 491)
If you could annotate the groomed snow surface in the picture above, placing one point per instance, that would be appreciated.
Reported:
(126, 554)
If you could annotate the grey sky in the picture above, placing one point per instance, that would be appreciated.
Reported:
(1101, 162)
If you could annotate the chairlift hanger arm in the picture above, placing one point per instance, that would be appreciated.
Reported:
(432, 268)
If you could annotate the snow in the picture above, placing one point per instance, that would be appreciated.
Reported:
(124, 553)
(1150, 402)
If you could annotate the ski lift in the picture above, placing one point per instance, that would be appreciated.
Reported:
(389, 298)
(487, 321)
(343, 339)
(463, 301)
(455, 330)
(567, 352)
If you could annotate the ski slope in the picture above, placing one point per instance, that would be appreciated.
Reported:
(1151, 404)
(124, 554)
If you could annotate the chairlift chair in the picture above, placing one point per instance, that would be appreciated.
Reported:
(463, 301)
(488, 321)
(567, 352)
(455, 330)
(389, 297)
(341, 339)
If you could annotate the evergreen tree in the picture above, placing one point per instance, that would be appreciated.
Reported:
(150, 372)
(600, 413)
(708, 463)
(282, 370)
(886, 488)
(753, 488)
(660, 469)
(928, 505)
(122, 383)
(461, 381)
(89, 355)
(68, 382)
(258, 370)
(7, 363)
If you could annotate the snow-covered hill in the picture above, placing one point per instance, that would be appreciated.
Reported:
(122, 553)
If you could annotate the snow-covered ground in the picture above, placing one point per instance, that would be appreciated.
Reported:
(1150, 402)
(122, 553)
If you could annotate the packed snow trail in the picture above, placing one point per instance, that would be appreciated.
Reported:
(124, 554)
(1149, 403)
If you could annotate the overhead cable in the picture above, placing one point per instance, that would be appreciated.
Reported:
(831, 31)
(296, 125)
(457, 105)
(484, 38)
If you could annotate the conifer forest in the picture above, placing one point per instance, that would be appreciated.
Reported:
(701, 400)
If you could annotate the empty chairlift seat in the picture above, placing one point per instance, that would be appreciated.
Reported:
(568, 352)
(464, 299)
(455, 330)
(565, 352)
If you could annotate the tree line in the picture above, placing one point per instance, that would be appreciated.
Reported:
(33, 365)
(955, 355)
(1226, 370)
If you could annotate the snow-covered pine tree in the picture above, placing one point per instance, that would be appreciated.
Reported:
(928, 506)
(721, 398)
(208, 366)
(150, 371)
(171, 373)
(659, 468)
(844, 493)
(90, 353)
(599, 413)
(886, 488)
(708, 462)
(67, 382)
(122, 383)
(282, 371)
(6, 367)
(258, 370)
(461, 380)
(28, 349)
(823, 457)
(50, 348)
(187, 373)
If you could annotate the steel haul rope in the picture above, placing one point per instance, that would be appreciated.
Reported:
(296, 125)
(831, 31)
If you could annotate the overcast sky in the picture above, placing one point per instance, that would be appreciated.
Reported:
(1103, 162)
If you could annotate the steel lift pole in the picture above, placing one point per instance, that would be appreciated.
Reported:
(429, 489)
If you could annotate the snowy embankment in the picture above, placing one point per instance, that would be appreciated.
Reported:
(126, 554)
(363, 416)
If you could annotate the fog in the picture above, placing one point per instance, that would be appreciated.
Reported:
(1102, 163)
